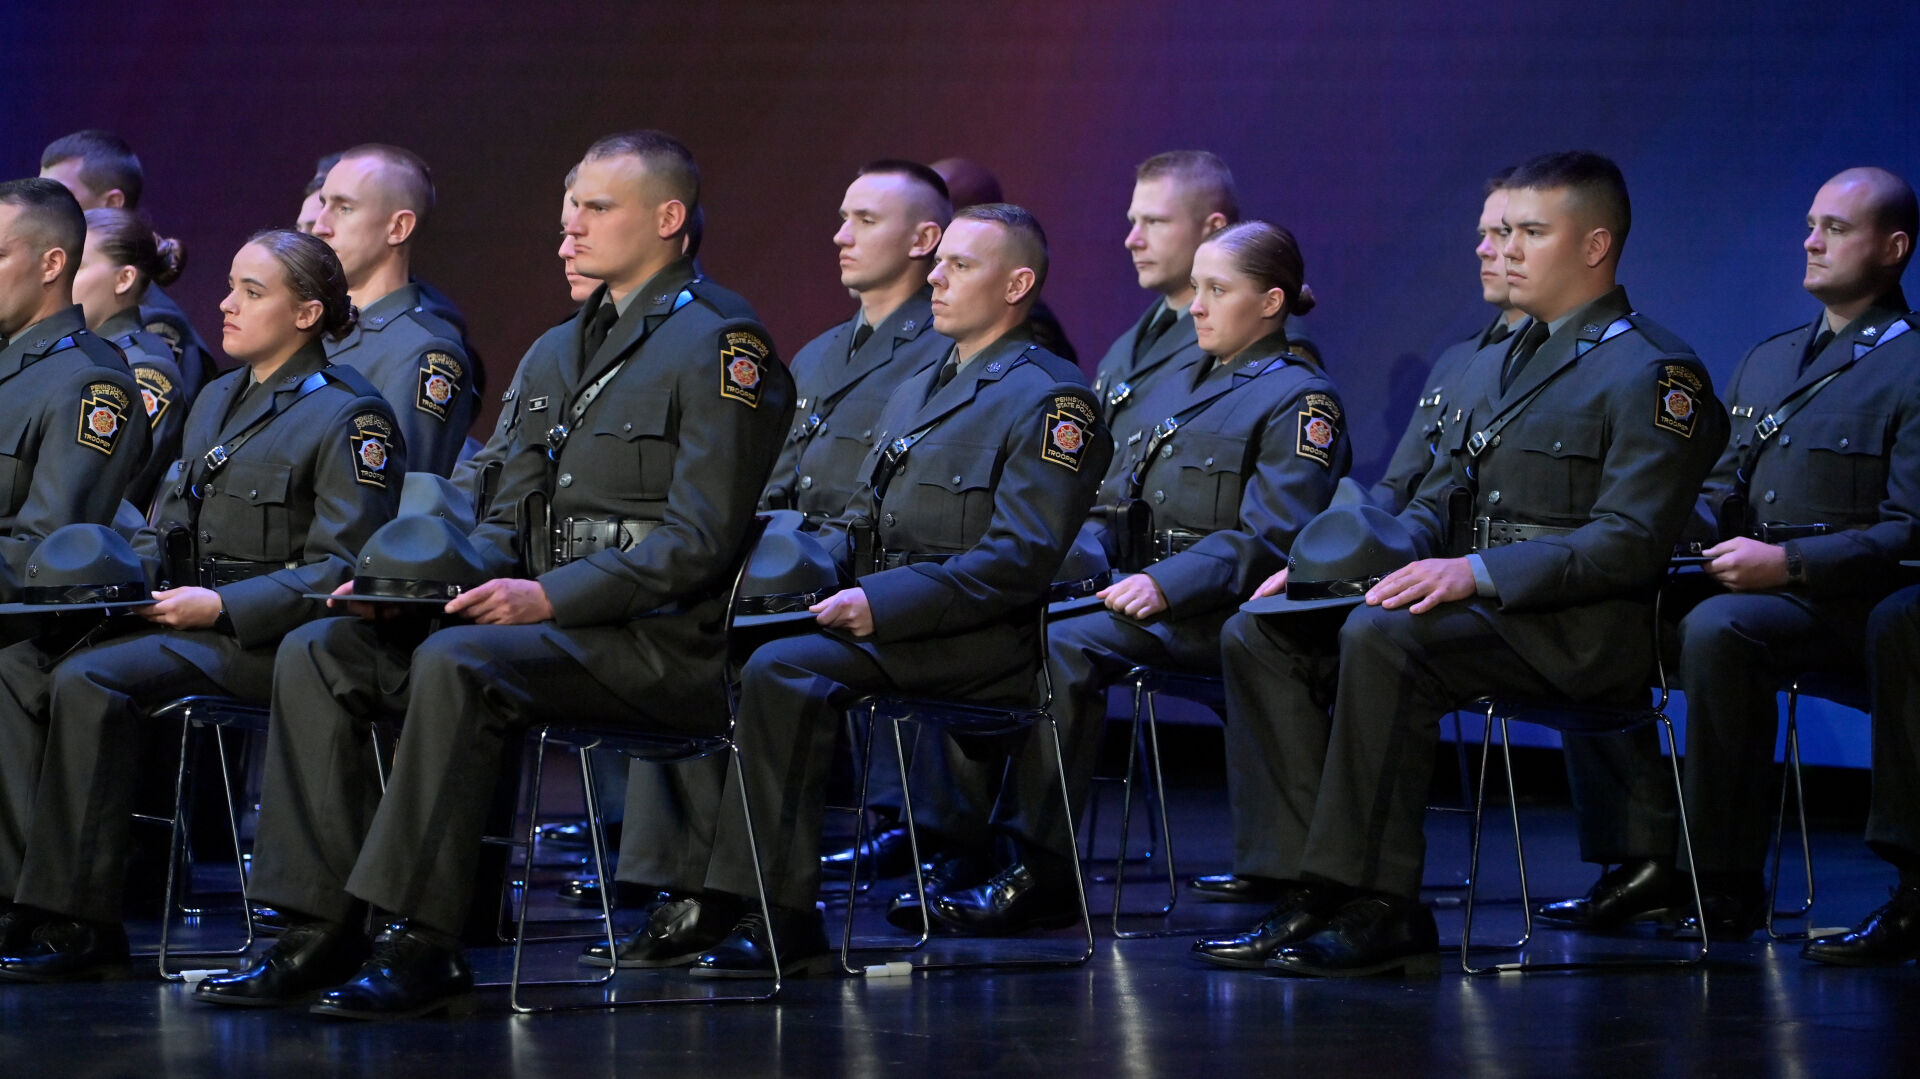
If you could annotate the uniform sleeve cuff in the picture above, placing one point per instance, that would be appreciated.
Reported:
(1482, 580)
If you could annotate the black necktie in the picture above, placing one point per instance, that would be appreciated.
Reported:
(1522, 353)
(1152, 332)
(860, 335)
(240, 399)
(947, 371)
(1820, 344)
(598, 329)
(1500, 332)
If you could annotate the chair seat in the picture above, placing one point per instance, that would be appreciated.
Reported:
(961, 716)
(664, 747)
(1571, 717)
(1200, 687)
(208, 710)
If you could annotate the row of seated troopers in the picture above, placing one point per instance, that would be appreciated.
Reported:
(936, 475)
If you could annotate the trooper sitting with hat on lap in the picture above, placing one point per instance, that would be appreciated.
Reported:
(290, 465)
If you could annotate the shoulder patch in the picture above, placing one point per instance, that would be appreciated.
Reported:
(1679, 390)
(440, 376)
(369, 445)
(1318, 427)
(1074, 406)
(742, 356)
(156, 393)
(104, 408)
(1066, 434)
(169, 333)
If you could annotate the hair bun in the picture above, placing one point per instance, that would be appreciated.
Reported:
(1302, 301)
(346, 324)
(170, 258)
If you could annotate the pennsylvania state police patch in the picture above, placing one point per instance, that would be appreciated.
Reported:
(1678, 409)
(440, 376)
(742, 356)
(1319, 427)
(104, 409)
(156, 393)
(371, 444)
(1068, 429)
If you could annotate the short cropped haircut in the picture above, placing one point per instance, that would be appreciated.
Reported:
(1499, 181)
(1593, 181)
(942, 201)
(1030, 241)
(667, 160)
(50, 217)
(412, 181)
(106, 162)
(1202, 174)
(320, 170)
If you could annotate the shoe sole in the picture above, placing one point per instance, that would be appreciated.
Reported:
(643, 964)
(813, 966)
(1860, 963)
(455, 1007)
(258, 1002)
(1425, 963)
(118, 973)
(1666, 916)
(1228, 964)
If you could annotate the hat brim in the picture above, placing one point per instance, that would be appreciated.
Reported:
(749, 621)
(97, 605)
(402, 601)
(1067, 608)
(1282, 605)
(1911, 563)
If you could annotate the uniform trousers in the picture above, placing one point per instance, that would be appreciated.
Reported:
(72, 732)
(328, 837)
(1345, 794)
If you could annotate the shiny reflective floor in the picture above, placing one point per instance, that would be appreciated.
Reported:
(1139, 1008)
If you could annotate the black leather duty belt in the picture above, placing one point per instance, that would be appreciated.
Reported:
(1174, 540)
(215, 572)
(1488, 532)
(896, 559)
(577, 537)
(1776, 532)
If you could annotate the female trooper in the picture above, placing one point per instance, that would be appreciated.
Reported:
(122, 258)
(1242, 448)
(290, 464)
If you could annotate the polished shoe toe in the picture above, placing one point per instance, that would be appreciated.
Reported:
(676, 933)
(1011, 901)
(1639, 891)
(748, 951)
(1235, 888)
(1371, 934)
(1734, 913)
(407, 975)
(305, 961)
(888, 853)
(1299, 912)
(1887, 937)
(944, 873)
(69, 950)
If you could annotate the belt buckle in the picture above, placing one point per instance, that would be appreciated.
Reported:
(216, 457)
(556, 438)
(1482, 533)
(1766, 428)
(1478, 445)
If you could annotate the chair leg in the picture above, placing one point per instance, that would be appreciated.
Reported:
(1790, 775)
(859, 836)
(1686, 843)
(176, 842)
(1158, 796)
(1473, 862)
(180, 861)
(520, 939)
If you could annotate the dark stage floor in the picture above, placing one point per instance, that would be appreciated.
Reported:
(1139, 1008)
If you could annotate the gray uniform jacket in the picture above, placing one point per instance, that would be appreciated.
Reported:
(1121, 383)
(163, 398)
(839, 405)
(421, 367)
(1414, 454)
(683, 435)
(162, 317)
(1613, 447)
(1849, 459)
(72, 435)
(305, 490)
(1244, 473)
(990, 497)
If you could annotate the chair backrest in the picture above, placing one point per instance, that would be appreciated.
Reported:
(755, 529)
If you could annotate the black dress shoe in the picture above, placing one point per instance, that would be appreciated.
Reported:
(1013, 900)
(1301, 911)
(304, 961)
(746, 952)
(1733, 913)
(944, 873)
(1373, 934)
(1234, 888)
(885, 854)
(1642, 891)
(676, 933)
(68, 950)
(1889, 936)
(408, 975)
(585, 892)
(17, 924)
(270, 922)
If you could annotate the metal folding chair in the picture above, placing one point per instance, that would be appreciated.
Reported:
(1852, 694)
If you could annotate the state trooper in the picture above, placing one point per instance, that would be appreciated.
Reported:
(641, 456)
(70, 424)
(982, 474)
(102, 172)
(122, 260)
(1248, 448)
(291, 463)
(1814, 500)
(1587, 440)
(374, 201)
